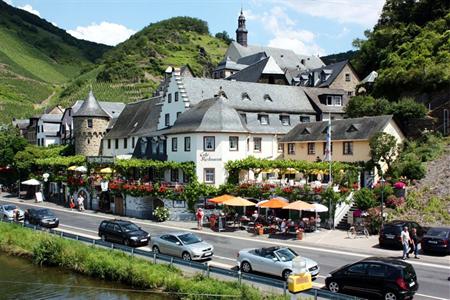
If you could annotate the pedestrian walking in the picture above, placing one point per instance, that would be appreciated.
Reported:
(71, 203)
(80, 202)
(200, 216)
(405, 242)
(415, 243)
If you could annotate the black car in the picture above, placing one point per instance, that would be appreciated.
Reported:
(373, 277)
(390, 233)
(43, 217)
(125, 232)
(437, 239)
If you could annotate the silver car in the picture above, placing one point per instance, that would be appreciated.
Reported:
(8, 211)
(182, 244)
(273, 260)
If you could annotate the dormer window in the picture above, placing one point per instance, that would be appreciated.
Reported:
(267, 98)
(306, 131)
(285, 120)
(244, 118)
(245, 96)
(353, 128)
(263, 119)
(334, 100)
(323, 77)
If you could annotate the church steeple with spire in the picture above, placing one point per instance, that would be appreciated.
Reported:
(241, 32)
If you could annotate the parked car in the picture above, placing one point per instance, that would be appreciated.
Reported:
(390, 233)
(182, 244)
(273, 260)
(124, 232)
(9, 212)
(41, 216)
(389, 278)
(437, 239)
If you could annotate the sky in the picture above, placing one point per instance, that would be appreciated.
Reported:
(315, 27)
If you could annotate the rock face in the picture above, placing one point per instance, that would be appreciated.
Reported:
(438, 175)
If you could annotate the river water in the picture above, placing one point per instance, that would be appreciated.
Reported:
(20, 279)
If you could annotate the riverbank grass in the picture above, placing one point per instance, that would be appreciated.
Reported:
(45, 249)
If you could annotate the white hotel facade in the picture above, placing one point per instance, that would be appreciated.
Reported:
(209, 122)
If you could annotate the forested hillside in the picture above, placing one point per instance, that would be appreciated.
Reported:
(409, 48)
(134, 68)
(36, 58)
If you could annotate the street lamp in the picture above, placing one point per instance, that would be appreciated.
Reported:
(382, 201)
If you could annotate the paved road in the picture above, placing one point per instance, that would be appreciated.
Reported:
(432, 276)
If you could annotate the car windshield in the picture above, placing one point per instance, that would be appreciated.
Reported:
(437, 232)
(130, 227)
(189, 238)
(286, 254)
(9, 207)
(45, 212)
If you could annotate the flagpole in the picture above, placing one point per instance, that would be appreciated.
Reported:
(330, 180)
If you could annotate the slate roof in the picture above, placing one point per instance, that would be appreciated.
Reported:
(228, 64)
(51, 118)
(113, 109)
(345, 129)
(91, 108)
(251, 59)
(314, 94)
(332, 70)
(211, 115)
(285, 58)
(135, 117)
(253, 72)
(261, 97)
(21, 123)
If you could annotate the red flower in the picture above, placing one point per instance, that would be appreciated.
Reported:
(288, 190)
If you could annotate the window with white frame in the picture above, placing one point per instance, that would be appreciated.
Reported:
(209, 143)
(161, 147)
(176, 96)
(348, 148)
(174, 144)
(305, 119)
(335, 100)
(280, 145)
(167, 119)
(209, 175)
(169, 98)
(285, 120)
(174, 175)
(234, 143)
(291, 148)
(187, 143)
(257, 144)
(347, 76)
(311, 148)
(263, 119)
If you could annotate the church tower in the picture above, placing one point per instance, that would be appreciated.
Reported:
(241, 32)
(90, 122)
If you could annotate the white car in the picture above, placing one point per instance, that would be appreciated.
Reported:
(8, 211)
(273, 260)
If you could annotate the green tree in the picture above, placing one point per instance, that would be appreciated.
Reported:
(361, 106)
(10, 143)
(224, 36)
(383, 148)
(407, 109)
(364, 199)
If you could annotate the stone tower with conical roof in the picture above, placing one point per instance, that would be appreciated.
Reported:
(241, 31)
(90, 122)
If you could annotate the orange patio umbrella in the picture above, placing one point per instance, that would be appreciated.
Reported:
(274, 203)
(238, 201)
(220, 199)
(299, 205)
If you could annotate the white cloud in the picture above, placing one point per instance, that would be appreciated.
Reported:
(9, 2)
(105, 33)
(365, 13)
(29, 9)
(286, 34)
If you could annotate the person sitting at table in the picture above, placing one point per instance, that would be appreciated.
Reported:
(283, 226)
(255, 215)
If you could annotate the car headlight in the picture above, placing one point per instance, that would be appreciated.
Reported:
(134, 238)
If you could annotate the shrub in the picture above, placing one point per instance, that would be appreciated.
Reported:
(394, 202)
(161, 213)
(386, 189)
(48, 252)
(365, 199)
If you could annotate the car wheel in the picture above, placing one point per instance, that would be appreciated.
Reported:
(333, 286)
(186, 256)
(286, 274)
(155, 249)
(390, 295)
(246, 267)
